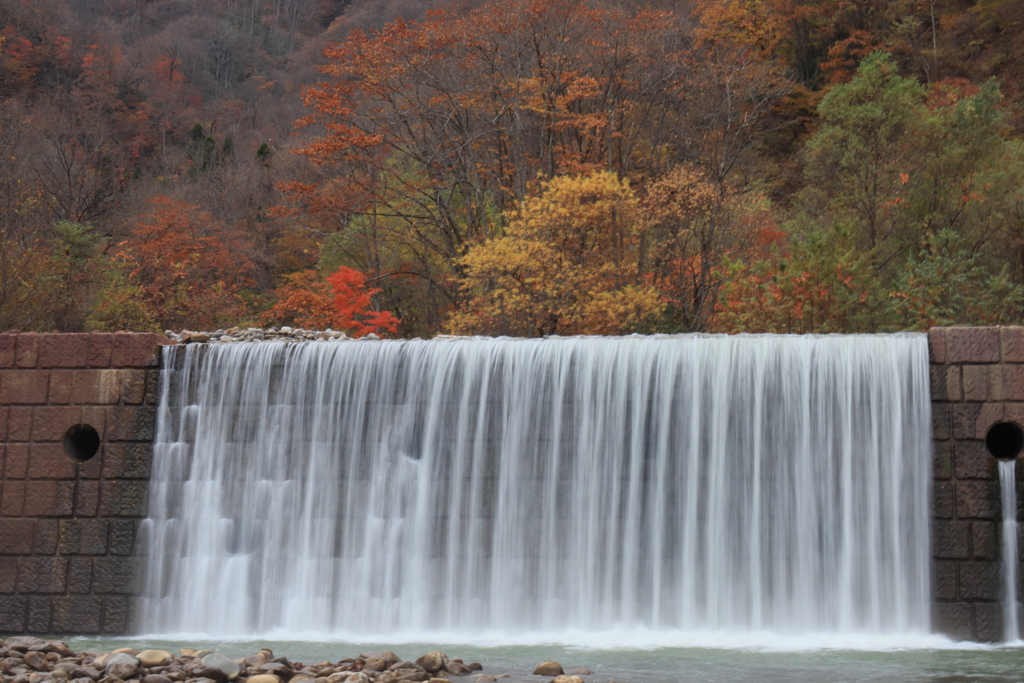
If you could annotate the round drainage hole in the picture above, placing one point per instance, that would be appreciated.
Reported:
(1005, 440)
(81, 442)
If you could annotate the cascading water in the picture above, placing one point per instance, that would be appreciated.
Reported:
(684, 483)
(1008, 489)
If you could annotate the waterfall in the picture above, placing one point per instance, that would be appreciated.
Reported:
(1007, 485)
(686, 483)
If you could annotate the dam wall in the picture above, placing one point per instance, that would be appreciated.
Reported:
(71, 503)
(76, 428)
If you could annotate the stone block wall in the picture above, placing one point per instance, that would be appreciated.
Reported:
(977, 380)
(68, 529)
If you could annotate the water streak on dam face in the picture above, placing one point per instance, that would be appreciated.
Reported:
(690, 482)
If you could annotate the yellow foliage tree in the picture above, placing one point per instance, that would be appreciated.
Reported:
(568, 263)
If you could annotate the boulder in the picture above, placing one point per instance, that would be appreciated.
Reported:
(119, 658)
(156, 678)
(433, 661)
(37, 660)
(548, 668)
(457, 668)
(123, 670)
(154, 658)
(376, 664)
(227, 666)
(211, 672)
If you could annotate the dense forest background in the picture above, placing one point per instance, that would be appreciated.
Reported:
(521, 167)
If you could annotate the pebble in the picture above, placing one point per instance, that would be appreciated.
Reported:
(154, 657)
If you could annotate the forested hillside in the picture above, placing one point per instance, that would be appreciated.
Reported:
(523, 167)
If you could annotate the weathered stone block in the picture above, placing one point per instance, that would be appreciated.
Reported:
(1005, 382)
(118, 575)
(49, 498)
(954, 383)
(77, 614)
(975, 500)
(972, 344)
(944, 575)
(16, 463)
(83, 537)
(983, 541)
(130, 423)
(26, 355)
(5, 411)
(100, 347)
(42, 575)
(87, 498)
(1011, 342)
(941, 425)
(979, 580)
(19, 423)
(942, 500)
(48, 461)
(115, 614)
(942, 462)
(989, 414)
(8, 574)
(964, 417)
(123, 498)
(937, 382)
(12, 499)
(50, 422)
(976, 382)
(39, 614)
(63, 350)
(16, 536)
(8, 346)
(951, 539)
(136, 350)
(1014, 412)
(13, 613)
(955, 619)
(45, 539)
(972, 460)
(60, 386)
(96, 417)
(79, 575)
(133, 386)
(988, 622)
(127, 461)
(152, 387)
(93, 387)
(937, 344)
(122, 536)
(23, 387)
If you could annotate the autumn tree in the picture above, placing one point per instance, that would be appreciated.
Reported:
(568, 263)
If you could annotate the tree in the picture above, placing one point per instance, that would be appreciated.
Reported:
(569, 263)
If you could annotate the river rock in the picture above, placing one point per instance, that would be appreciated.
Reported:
(101, 661)
(567, 679)
(433, 661)
(456, 668)
(156, 678)
(124, 651)
(37, 660)
(63, 670)
(60, 647)
(123, 670)
(23, 643)
(9, 666)
(210, 672)
(85, 672)
(117, 658)
(154, 657)
(261, 678)
(376, 664)
(386, 677)
(412, 676)
(282, 670)
(227, 666)
(548, 668)
(357, 677)
(187, 652)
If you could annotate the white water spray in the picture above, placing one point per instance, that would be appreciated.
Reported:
(693, 483)
(1008, 488)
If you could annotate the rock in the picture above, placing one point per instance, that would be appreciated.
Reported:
(386, 677)
(156, 678)
(433, 661)
(403, 665)
(37, 660)
(119, 657)
(201, 680)
(63, 670)
(413, 676)
(281, 670)
(457, 668)
(202, 653)
(211, 672)
(358, 677)
(228, 667)
(8, 665)
(154, 657)
(85, 672)
(60, 647)
(475, 666)
(260, 678)
(567, 679)
(257, 660)
(376, 664)
(23, 643)
(391, 657)
(301, 678)
(123, 670)
(439, 680)
(124, 651)
(548, 668)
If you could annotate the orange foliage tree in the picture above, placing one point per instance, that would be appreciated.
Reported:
(191, 269)
(342, 302)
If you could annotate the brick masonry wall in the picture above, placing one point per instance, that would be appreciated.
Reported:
(977, 380)
(68, 529)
